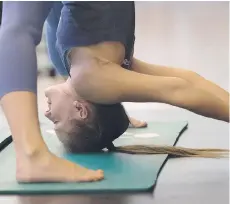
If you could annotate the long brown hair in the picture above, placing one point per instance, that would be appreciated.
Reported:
(173, 151)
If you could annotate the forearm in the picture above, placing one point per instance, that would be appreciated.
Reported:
(190, 91)
(212, 88)
(196, 80)
(200, 102)
(181, 93)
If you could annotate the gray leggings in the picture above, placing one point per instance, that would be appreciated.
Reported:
(20, 33)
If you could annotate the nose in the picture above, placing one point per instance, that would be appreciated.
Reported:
(47, 90)
(50, 90)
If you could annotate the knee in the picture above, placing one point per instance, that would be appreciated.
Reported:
(16, 30)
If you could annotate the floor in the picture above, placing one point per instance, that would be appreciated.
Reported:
(191, 35)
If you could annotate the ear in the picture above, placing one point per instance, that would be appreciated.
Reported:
(81, 109)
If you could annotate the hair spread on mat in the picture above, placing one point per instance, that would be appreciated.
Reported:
(112, 121)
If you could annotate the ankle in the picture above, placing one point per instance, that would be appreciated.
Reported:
(31, 151)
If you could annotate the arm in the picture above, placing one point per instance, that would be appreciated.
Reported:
(109, 83)
(190, 76)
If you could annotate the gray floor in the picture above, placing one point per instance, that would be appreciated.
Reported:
(192, 35)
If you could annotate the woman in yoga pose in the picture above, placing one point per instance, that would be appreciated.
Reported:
(81, 123)
(93, 40)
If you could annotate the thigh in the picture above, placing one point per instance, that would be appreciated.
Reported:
(54, 15)
(51, 30)
(20, 32)
(26, 13)
(25, 17)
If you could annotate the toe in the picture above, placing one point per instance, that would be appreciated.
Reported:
(144, 124)
(138, 124)
(94, 175)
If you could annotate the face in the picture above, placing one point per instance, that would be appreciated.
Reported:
(65, 109)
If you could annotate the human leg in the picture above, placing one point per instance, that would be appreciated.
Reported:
(20, 33)
(51, 29)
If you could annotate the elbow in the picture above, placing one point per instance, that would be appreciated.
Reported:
(177, 90)
(194, 77)
(180, 85)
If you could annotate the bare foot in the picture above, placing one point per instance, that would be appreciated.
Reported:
(134, 123)
(50, 168)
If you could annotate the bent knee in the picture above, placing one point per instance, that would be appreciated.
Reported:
(15, 30)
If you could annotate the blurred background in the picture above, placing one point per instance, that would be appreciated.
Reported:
(190, 35)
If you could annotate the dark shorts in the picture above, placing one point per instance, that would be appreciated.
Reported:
(88, 23)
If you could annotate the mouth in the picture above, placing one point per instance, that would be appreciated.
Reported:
(48, 110)
(48, 114)
(49, 107)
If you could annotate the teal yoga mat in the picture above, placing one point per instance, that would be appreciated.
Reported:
(123, 172)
